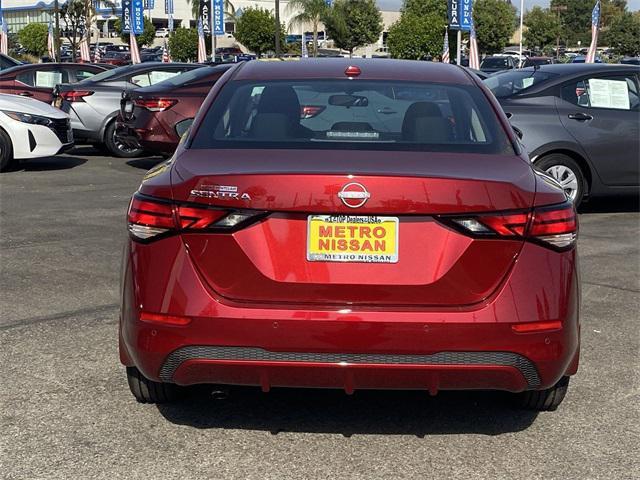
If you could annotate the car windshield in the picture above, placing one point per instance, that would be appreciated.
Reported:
(495, 62)
(343, 114)
(514, 82)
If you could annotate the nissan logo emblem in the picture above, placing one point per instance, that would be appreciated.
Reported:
(354, 195)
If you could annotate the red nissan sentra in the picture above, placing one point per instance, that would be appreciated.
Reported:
(351, 224)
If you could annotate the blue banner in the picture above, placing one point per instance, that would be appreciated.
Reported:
(453, 12)
(149, 4)
(466, 12)
(126, 16)
(218, 17)
(137, 17)
(168, 6)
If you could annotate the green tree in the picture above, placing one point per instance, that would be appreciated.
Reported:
(73, 15)
(309, 12)
(436, 8)
(78, 16)
(145, 38)
(254, 29)
(495, 23)
(542, 28)
(623, 34)
(353, 23)
(576, 19)
(33, 38)
(415, 37)
(183, 44)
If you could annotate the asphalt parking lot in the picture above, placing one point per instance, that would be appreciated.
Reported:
(67, 412)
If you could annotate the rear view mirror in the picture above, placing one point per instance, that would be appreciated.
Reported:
(348, 101)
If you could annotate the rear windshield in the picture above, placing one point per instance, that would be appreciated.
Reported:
(346, 114)
(495, 62)
(191, 76)
(513, 82)
(530, 62)
(107, 74)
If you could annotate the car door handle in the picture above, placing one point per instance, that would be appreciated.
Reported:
(580, 116)
(386, 111)
(26, 94)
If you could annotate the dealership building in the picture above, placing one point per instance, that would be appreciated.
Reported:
(18, 13)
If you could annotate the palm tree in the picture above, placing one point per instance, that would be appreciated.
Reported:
(310, 12)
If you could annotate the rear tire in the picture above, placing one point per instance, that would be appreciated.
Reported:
(567, 172)
(148, 391)
(115, 147)
(7, 162)
(545, 400)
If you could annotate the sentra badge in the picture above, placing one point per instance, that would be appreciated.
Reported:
(222, 192)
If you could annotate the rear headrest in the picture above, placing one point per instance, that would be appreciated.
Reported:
(423, 122)
(280, 99)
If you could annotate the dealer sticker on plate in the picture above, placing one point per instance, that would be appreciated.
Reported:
(348, 238)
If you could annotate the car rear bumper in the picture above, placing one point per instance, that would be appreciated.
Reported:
(126, 135)
(472, 347)
(151, 135)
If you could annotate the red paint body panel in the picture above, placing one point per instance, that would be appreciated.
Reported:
(254, 289)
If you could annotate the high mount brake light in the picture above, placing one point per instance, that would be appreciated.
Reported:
(75, 95)
(555, 226)
(155, 104)
(150, 218)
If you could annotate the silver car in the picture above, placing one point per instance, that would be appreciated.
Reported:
(94, 104)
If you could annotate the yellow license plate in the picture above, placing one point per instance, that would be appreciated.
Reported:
(347, 238)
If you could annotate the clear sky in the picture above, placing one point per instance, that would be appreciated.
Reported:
(396, 4)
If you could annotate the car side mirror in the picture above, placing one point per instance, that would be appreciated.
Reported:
(183, 127)
(517, 131)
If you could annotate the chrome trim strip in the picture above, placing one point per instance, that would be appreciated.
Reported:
(252, 354)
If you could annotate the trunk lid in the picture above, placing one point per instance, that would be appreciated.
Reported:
(271, 261)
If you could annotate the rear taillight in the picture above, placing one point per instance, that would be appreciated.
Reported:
(151, 218)
(555, 226)
(155, 104)
(75, 95)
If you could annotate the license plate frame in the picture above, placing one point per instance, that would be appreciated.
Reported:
(370, 221)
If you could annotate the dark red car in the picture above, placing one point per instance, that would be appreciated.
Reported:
(395, 237)
(38, 80)
(155, 117)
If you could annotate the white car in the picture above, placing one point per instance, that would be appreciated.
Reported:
(162, 33)
(30, 129)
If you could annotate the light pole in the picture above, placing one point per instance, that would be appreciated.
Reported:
(558, 9)
(277, 28)
(56, 12)
(521, 21)
(212, 18)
